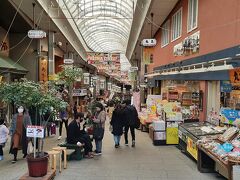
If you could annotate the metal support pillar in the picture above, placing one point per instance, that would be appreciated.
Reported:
(141, 77)
(51, 57)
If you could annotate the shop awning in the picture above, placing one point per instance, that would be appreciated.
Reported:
(11, 66)
(151, 82)
(207, 76)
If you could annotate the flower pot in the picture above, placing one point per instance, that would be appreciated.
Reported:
(38, 166)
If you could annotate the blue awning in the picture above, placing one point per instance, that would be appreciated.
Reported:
(201, 76)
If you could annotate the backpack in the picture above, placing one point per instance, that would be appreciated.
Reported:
(133, 116)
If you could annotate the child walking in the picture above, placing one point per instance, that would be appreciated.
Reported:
(3, 136)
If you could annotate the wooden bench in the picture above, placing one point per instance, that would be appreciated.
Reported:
(78, 152)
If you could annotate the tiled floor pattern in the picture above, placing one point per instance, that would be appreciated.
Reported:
(144, 162)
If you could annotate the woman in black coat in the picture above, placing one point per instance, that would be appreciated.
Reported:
(117, 124)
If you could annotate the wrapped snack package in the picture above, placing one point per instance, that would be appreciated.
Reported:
(227, 147)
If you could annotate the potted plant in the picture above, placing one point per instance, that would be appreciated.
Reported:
(39, 97)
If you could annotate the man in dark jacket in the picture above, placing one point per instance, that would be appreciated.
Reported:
(77, 136)
(130, 114)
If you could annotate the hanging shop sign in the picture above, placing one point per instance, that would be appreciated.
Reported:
(36, 34)
(68, 61)
(79, 92)
(97, 87)
(147, 55)
(35, 131)
(94, 80)
(134, 69)
(86, 78)
(190, 45)
(234, 75)
(149, 42)
(43, 69)
(4, 43)
(102, 84)
(225, 86)
(109, 86)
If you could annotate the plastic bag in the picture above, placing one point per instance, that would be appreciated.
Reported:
(110, 128)
(30, 148)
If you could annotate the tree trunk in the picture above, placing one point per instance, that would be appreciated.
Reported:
(71, 95)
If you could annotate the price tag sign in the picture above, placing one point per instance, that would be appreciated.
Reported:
(35, 131)
(180, 134)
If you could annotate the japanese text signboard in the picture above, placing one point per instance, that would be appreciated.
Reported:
(35, 131)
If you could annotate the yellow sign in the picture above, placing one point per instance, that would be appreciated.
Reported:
(147, 55)
(53, 77)
(172, 135)
(192, 148)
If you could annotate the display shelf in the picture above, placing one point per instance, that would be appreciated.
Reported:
(209, 162)
(186, 99)
(170, 96)
(158, 137)
(192, 132)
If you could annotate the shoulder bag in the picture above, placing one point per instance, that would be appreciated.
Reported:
(98, 131)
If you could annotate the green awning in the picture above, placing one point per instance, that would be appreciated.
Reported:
(8, 63)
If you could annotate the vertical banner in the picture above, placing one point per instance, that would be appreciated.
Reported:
(147, 55)
(86, 78)
(4, 45)
(136, 100)
(43, 69)
(102, 84)
(109, 86)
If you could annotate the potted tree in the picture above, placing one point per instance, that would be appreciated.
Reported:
(35, 96)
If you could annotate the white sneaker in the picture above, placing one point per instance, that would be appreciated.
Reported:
(60, 137)
(79, 144)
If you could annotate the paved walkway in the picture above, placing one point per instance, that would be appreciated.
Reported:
(145, 161)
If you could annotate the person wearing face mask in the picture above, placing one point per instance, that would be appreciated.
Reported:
(18, 127)
(99, 120)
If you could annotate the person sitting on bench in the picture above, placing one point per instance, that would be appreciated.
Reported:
(77, 136)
